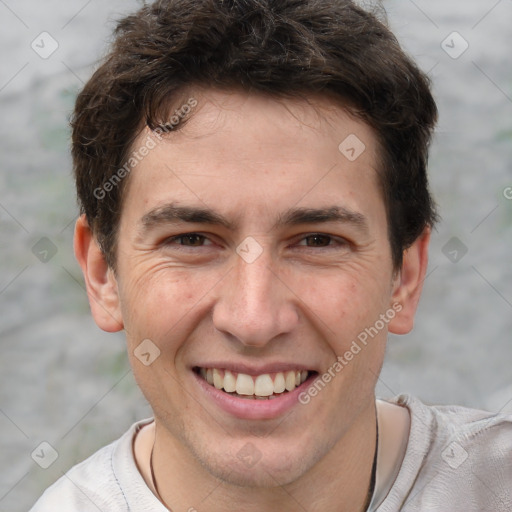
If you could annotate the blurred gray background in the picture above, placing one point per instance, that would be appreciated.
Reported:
(64, 382)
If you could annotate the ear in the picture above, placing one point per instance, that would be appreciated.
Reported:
(99, 278)
(408, 284)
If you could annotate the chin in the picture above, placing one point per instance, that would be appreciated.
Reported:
(259, 463)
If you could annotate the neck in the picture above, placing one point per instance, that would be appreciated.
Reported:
(340, 481)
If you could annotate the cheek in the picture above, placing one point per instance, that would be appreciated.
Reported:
(159, 302)
(342, 304)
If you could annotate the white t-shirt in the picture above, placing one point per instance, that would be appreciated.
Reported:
(457, 460)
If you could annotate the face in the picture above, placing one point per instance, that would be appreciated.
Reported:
(253, 254)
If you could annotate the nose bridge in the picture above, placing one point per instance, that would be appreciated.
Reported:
(256, 286)
(254, 306)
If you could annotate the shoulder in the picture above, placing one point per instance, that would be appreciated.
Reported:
(91, 485)
(84, 487)
(457, 459)
(481, 432)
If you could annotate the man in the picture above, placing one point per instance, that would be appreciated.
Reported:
(256, 217)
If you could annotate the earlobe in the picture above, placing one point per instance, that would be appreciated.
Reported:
(100, 281)
(409, 284)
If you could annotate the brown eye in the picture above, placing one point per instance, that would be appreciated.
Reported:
(318, 240)
(190, 240)
(193, 240)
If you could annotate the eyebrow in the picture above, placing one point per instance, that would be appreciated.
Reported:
(171, 213)
(297, 216)
(293, 217)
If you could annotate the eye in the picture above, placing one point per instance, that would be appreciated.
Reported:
(189, 240)
(318, 240)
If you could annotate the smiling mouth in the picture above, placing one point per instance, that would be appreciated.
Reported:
(267, 386)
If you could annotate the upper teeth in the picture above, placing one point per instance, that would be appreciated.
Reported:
(261, 385)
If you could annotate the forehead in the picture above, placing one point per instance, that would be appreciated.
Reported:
(253, 154)
(278, 123)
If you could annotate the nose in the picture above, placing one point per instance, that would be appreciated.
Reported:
(254, 305)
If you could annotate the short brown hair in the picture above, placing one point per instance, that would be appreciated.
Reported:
(286, 48)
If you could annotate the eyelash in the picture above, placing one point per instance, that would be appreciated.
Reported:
(187, 235)
(332, 240)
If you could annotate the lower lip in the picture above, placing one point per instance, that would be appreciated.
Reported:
(248, 409)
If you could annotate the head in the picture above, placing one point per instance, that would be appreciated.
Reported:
(247, 235)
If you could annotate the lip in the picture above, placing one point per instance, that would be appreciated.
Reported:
(247, 409)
